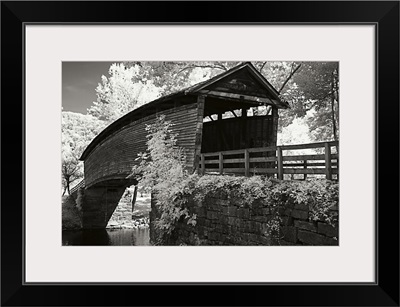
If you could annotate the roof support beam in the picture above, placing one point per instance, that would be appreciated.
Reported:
(247, 98)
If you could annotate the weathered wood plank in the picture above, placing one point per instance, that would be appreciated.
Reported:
(309, 145)
(305, 167)
(203, 165)
(239, 160)
(213, 161)
(234, 170)
(115, 154)
(322, 164)
(328, 166)
(221, 163)
(211, 154)
(263, 159)
(246, 163)
(307, 171)
(233, 152)
(263, 149)
(280, 163)
(263, 170)
(307, 157)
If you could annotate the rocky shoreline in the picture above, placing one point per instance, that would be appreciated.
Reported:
(124, 218)
(134, 223)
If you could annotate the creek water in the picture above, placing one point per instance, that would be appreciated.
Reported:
(115, 237)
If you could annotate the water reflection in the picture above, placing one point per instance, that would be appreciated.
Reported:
(115, 237)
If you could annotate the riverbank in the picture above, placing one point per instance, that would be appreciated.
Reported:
(70, 214)
(126, 218)
(125, 227)
(123, 217)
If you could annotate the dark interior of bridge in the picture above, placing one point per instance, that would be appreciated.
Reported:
(230, 125)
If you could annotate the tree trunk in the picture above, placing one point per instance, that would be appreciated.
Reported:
(333, 108)
(134, 197)
(289, 77)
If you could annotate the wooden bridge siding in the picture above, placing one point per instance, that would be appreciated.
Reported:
(114, 157)
(275, 119)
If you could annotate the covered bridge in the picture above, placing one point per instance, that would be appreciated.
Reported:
(199, 114)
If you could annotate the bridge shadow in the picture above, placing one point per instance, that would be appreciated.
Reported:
(103, 237)
(98, 202)
(86, 237)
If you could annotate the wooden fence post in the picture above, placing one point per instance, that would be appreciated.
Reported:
(280, 163)
(246, 163)
(221, 163)
(328, 164)
(203, 164)
(337, 161)
(305, 167)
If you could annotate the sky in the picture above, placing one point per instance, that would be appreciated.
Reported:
(79, 81)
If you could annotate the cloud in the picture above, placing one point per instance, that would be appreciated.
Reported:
(71, 88)
(89, 81)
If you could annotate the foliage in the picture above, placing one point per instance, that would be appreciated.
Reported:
(161, 171)
(306, 86)
(319, 83)
(295, 133)
(77, 131)
(319, 194)
(71, 171)
(245, 190)
(126, 89)
(315, 81)
(310, 88)
(273, 226)
(71, 218)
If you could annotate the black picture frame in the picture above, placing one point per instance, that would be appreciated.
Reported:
(383, 14)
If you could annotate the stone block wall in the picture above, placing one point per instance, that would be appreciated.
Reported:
(224, 220)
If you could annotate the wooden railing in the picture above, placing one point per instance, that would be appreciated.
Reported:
(81, 184)
(274, 160)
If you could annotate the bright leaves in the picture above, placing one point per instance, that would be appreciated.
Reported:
(162, 172)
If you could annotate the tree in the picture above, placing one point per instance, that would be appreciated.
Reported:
(161, 171)
(312, 91)
(304, 85)
(280, 75)
(77, 131)
(319, 82)
(132, 84)
(71, 171)
(295, 133)
(124, 90)
(171, 77)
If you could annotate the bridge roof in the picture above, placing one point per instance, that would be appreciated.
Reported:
(242, 80)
